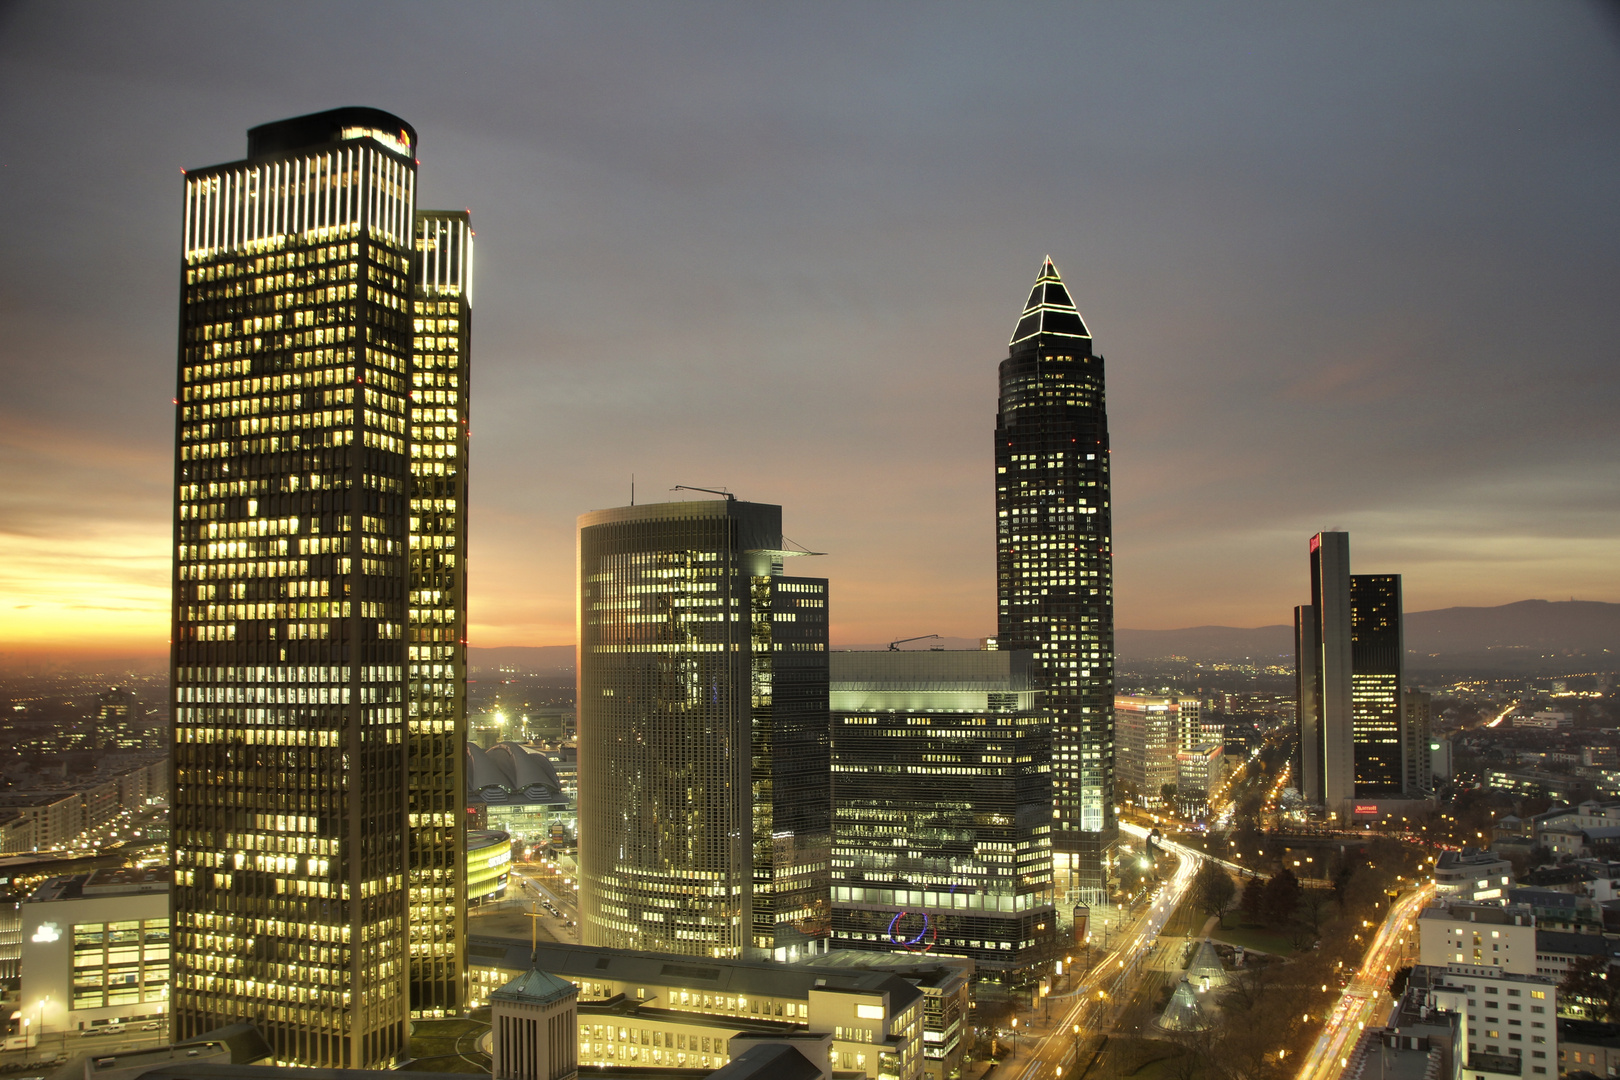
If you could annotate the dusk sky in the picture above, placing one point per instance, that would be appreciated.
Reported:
(1351, 265)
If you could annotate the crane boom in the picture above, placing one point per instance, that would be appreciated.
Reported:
(894, 646)
(712, 491)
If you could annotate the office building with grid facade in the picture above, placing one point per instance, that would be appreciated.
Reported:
(317, 656)
(704, 810)
(942, 806)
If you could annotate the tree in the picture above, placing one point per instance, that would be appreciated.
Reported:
(1341, 885)
(1591, 986)
(1313, 906)
(1253, 900)
(1282, 896)
(1212, 888)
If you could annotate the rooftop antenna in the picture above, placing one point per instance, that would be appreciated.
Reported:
(632, 489)
(712, 491)
(534, 933)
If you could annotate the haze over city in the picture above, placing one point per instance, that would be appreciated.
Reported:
(1351, 267)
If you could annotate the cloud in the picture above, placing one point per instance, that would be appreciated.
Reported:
(1347, 265)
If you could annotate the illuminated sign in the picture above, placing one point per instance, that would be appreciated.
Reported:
(1367, 809)
(399, 143)
(46, 933)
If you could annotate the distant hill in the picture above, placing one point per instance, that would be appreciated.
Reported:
(524, 659)
(1560, 626)
(1511, 636)
(1273, 643)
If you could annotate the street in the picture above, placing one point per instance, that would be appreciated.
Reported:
(1104, 990)
(1359, 1004)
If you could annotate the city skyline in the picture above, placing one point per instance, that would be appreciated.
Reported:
(1391, 246)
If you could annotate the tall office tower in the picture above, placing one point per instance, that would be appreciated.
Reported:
(704, 801)
(1150, 729)
(1419, 748)
(1308, 749)
(942, 806)
(441, 340)
(117, 720)
(1377, 655)
(295, 748)
(1054, 565)
(1323, 658)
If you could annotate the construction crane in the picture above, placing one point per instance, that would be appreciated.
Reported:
(894, 646)
(711, 491)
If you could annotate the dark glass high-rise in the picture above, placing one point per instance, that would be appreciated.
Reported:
(1377, 668)
(1054, 564)
(317, 721)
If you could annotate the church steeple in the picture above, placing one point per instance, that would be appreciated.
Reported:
(1049, 312)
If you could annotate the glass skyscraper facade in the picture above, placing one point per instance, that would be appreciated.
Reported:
(704, 809)
(1355, 735)
(441, 344)
(317, 660)
(1377, 655)
(1054, 564)
(942, 806)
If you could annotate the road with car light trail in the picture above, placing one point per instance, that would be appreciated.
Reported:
(1360, 1002)
(1103, 990)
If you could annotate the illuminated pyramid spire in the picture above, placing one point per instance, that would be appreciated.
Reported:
(1049, 312)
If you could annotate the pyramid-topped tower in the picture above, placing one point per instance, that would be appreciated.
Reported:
(1049, 310)
(1054, 565)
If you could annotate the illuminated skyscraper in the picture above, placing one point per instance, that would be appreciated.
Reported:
(1149, 730)
(1350, 669)
(318, 649)
(704, 807)
(1377, 655)
(441, 329)
(1054, 564)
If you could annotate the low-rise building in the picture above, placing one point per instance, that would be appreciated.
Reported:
(1507, 1016)
(1478, 934)
(1558, 910)
(77, 818)
(1570, 829)
(656, 1010)
(95, 950)
(489, 865)
(1422, 1042)
(1471, 874)
(1588, 1046)
(1558, 950)
(946, 985)
(1198, 773)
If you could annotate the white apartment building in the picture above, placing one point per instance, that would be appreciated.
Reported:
(1479, 934)
(1505, 1014)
